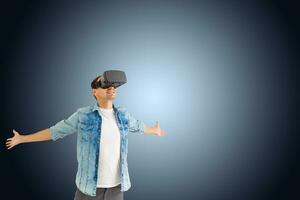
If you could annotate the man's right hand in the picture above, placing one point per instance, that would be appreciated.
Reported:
(13, 141)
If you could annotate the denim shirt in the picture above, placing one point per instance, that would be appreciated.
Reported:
(86, 122)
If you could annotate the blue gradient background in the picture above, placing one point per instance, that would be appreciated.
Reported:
(219, 77)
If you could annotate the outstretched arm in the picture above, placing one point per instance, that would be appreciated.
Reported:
(139, 126)
(35, 137)
(59, 130)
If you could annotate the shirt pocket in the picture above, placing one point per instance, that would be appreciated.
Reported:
(124, 123)
(87, 131)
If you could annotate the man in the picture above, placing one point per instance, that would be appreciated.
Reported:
(102, 144)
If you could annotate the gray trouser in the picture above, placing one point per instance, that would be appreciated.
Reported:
(113, 193)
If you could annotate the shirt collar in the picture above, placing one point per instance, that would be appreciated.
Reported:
(96, 107)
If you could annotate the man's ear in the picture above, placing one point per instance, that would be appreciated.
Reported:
(93, 91)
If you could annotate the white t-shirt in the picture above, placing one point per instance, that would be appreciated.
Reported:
(109, 160)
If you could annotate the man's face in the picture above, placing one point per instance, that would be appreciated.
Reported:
(105, 94)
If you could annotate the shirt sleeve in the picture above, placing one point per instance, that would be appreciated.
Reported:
(64, 127)
(134, 125)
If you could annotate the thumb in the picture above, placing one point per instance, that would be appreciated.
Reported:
(15, 132)
(157, 124)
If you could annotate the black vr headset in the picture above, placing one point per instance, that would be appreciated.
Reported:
(110, 78)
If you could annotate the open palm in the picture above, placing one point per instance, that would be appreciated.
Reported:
(159, 132)
(13, 141)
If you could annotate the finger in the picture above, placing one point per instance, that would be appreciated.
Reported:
(9, 139)
(8, 142)
(15, 132)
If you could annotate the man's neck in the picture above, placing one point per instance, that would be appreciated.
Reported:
(105, 104)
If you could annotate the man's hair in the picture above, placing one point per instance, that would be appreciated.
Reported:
(93, 83)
